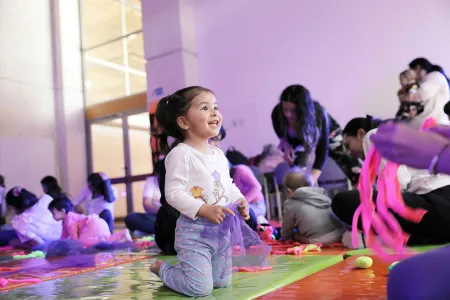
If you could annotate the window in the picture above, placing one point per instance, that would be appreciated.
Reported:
(113, 49)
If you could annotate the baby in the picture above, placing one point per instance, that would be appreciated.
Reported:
(89, 230)
(308, 210)
(409, 106)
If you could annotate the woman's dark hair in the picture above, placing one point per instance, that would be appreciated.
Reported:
(368, 123)
(428, 67)
(52, 187)
(170, 108)
(306, 127)
(61, 202)
(166, 218)
(2, 181)
(233, 171)
(161, 175)
(20, 199)
(100, 187)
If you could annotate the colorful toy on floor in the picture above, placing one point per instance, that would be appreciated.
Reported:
(363, 262)
(34, 254)
(265, 232)
(377, 217)
(251, 269)
(298, 250)
(146, 239)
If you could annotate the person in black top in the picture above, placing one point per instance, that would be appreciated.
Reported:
(302, 126)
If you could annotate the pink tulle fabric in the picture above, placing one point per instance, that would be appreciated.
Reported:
(247, 249)
(380, 227)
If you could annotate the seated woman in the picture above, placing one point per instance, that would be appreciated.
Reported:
(145, 222)
(89, 230)
(423, 276)
(99, 197)
(419, 190)
(33, 224)
(250, 187)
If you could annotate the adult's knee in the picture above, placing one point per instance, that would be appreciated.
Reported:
(338, 204)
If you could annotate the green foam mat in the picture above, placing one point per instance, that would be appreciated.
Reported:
(134, 281)
(366, 251)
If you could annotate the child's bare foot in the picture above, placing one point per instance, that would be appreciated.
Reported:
(155, 266)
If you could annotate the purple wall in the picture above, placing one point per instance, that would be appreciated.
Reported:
(348, 53)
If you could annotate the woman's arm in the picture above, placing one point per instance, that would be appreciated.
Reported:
(247, 177)
(322, 146)
(151, 195)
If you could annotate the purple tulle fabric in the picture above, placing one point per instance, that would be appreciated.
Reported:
(72, 248)
(247, 249)
(45, 266)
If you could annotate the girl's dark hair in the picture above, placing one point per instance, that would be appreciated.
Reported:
(428, 67)
(100, 187)
(447, 108)
(222, 133)
(306, 127)
(2, 181)
(170, 108)
(61, 202)
(52, 186)
(368, 123)
(20, 199)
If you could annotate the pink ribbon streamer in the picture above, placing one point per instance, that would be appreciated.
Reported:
(376, 219)
(4, 282)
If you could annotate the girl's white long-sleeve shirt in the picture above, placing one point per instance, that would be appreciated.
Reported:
(194, 178)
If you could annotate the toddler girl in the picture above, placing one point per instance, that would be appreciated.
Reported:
(199, 186)
(33, 224)
(409, 107)
(98, 195)
(89, 230)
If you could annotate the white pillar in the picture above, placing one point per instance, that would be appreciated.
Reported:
(41, 102)
(170, 45)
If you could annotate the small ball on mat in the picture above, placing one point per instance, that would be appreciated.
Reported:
(392, 265)
(363, 262)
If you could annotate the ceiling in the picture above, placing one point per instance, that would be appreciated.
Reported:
(105, 70)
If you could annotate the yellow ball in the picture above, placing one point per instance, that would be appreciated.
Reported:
(363, 262)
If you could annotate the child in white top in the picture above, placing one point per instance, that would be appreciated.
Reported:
(199, 186)
(33, 222)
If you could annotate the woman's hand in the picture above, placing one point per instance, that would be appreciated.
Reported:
(404, 145)
(214, 213)
(289, 153)
(244, 208)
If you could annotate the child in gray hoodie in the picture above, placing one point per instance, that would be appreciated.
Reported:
(308, 209)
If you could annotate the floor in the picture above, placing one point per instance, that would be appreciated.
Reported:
(338, 279)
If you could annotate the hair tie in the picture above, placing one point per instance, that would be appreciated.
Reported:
(16, 191)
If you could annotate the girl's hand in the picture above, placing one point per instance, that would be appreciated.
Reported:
(244, 208)
(214, 213)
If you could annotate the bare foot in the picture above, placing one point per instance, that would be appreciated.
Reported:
(155, 266)
(127, 235)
